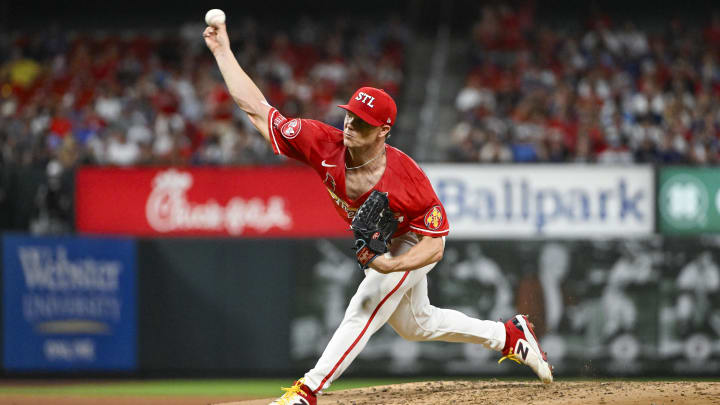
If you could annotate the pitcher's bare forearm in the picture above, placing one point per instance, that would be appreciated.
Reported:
(429, 250)
(243, 90)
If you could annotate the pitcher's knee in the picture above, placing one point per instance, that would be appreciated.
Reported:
(418, 328)
(411, 335)
(417, 335)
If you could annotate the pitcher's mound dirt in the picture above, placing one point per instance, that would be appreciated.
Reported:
(512, 393)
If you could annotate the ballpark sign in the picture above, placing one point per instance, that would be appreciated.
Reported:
(546, 200)
(689, 200)
(265, 202)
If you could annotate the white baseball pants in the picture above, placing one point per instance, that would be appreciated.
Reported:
(402, 300)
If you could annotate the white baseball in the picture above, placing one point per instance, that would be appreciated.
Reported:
(215, 17)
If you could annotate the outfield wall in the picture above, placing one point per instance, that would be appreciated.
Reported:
(261, 307)
(224, 272)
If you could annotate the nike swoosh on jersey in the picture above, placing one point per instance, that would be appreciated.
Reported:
(327, 164)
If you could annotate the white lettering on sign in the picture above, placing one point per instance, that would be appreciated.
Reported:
(44, 306)
(69, 350)
(168, 209)
(45, 268)
(365, 99)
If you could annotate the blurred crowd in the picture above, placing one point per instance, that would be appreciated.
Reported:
(157, 98)
(597, 90)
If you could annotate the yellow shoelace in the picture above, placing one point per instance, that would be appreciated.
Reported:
(511, 356)
(290, 391)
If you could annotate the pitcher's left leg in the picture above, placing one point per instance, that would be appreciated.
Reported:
(416, 319)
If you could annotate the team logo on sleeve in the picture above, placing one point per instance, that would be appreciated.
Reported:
(434, 218)
(291, 129)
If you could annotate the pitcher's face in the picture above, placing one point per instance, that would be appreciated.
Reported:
(358, 133)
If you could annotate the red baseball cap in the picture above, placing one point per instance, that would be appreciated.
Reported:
(373, 106)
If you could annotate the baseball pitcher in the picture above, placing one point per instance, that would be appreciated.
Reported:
(398, 222)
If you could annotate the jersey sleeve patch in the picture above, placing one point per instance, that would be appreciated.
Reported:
(434, 218)
(275, 121)
(291, 129)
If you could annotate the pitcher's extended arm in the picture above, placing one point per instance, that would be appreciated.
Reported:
(242, 89)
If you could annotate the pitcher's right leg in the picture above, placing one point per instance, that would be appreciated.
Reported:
(375, 300)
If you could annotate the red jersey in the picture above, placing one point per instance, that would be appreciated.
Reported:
(412, 198)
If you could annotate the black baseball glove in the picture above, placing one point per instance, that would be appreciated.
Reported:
(373, 226)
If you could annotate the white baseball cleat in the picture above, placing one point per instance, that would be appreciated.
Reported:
(521, 346)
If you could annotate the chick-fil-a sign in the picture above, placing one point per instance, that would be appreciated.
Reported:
(254, 202)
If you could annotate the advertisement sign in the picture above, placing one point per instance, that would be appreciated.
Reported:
(600, 307)
(209, 201)
(546, 200)
(689, 200)
(68, 304)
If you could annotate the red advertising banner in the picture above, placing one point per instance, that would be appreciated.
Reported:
(208, 201)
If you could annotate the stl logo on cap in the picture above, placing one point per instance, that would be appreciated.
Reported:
(434, 218)
(373, 106)
(365, 99)
(291, 129)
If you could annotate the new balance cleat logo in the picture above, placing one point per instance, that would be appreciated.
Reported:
(522, 350)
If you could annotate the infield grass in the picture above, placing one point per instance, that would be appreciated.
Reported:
(227, 387)
(180, 387)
